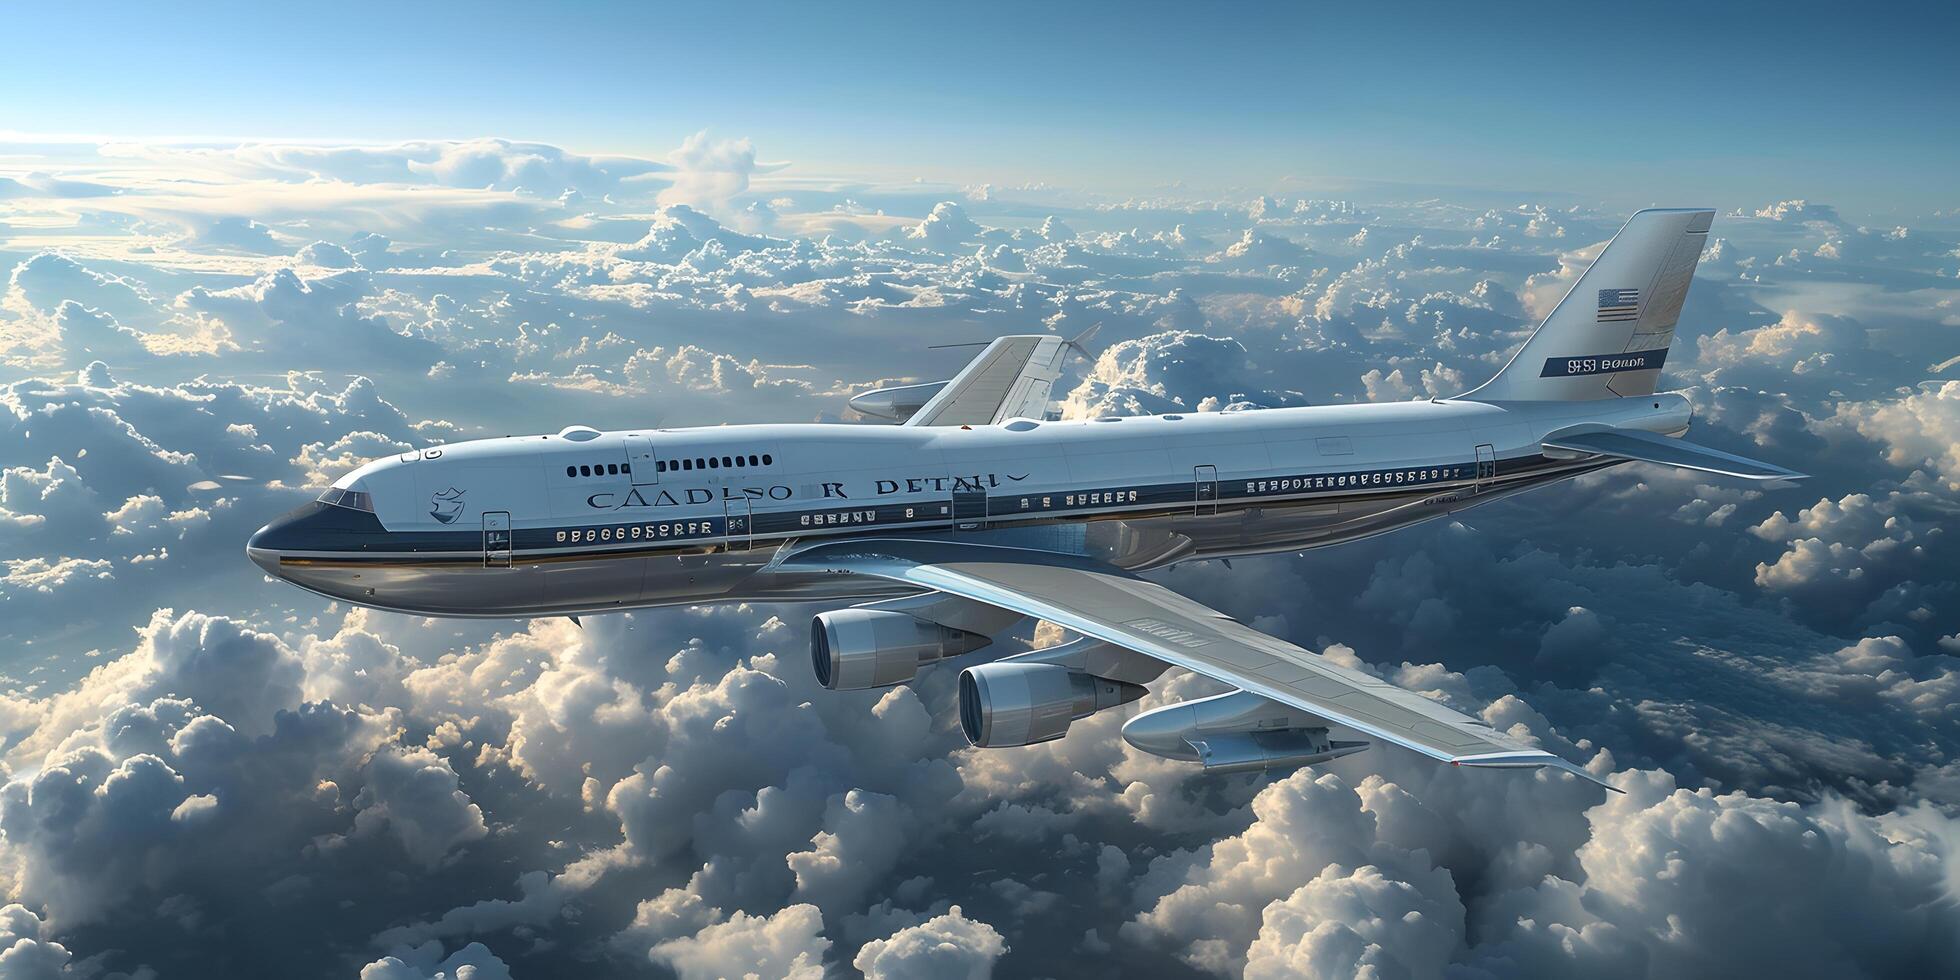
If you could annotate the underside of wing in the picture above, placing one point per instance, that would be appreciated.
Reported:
(1116, 608)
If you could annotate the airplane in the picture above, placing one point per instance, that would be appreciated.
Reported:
(975, 511)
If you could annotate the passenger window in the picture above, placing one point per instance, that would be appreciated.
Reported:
(626, 468)
(725, 462)
(571, 471)
(585, 471)
(687, 464)
(660, 466)
(612, 469)
(711, 463)
(752, 460)
(766, 460)
(738, 461)
(700, 464)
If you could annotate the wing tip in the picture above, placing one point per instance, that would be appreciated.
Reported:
(1533, 759)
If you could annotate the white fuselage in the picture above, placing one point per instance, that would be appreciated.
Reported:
(585, 520)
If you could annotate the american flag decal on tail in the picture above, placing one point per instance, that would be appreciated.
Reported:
(1619, 304)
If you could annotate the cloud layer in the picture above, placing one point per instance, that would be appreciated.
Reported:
(212, 774)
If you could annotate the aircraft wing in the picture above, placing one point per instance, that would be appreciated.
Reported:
(1011, 377)
(1103, 602)
(1648, 447)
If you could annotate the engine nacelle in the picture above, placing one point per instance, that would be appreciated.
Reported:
(1016, 703)
(1236, 732)
(855, 649)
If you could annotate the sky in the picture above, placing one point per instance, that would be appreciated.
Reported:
(243, 252)
(1695, 103)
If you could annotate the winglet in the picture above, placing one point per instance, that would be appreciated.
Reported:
(1077, 343)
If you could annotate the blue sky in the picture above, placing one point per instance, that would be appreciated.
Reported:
(1692, 103)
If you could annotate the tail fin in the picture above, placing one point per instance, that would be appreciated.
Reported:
(1608, 337)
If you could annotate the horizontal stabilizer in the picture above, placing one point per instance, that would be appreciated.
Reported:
(1650, 448)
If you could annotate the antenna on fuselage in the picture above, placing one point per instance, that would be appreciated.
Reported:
(1075, 343)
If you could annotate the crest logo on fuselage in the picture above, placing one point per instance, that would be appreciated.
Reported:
(447, 505)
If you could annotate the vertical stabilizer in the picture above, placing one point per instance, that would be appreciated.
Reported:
(1609, 336)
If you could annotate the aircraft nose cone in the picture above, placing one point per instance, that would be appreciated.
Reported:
(309, 527)
(260, 547)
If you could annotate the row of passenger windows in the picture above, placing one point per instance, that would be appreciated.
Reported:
(713, 462)
(674, 465)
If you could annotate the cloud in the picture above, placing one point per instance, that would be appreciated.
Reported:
(45, 575)
(472, 962)
(1799, 211)
(1650, 862)
(90, 336)
(1212, 915)
(25, 953)
(711, 171)
(1673, 879)
(1257, 249)
(496, 164)
(1921, 429)
(326, 255)
(1177, 371)
(949, 945)
(863, 837)
(1353, 923)
(235, 234)
(45, 282)
(413, 796)
(945, 229)
(318, 319)
(326, 463)
(690, 239)
(787, 944)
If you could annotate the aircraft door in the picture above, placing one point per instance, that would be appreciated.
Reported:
(969, 509)
(496, 539)
(1486, 467)
(737, 522)
(1204, 480)
(639, 461)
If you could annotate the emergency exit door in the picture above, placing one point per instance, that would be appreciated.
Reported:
(1204, 489)
(969, 510)
(639, 461)
(740, 520)
(496, 539)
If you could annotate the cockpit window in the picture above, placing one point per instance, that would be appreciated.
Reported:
(350, 499)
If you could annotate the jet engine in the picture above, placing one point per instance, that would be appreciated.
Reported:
(1020, 703)
(855, 649)
(1236, 732)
